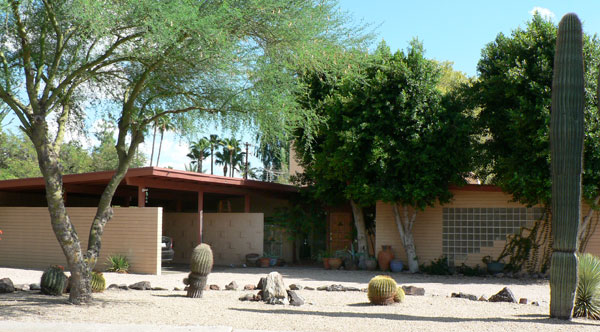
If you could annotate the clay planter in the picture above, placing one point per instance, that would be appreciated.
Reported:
(396, 265)
(264, 261)
(326, 263)
(335, 263)
(252, 259)
(371, 264)
(384, 257)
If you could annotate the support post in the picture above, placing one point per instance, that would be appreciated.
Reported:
(247, 203)
(142, 196)
(200, 215)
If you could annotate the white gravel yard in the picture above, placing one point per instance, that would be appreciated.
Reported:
(323, 311)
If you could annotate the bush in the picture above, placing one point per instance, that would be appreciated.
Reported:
(118, 263)
(468, 271)
(437, 267)
(587, 298)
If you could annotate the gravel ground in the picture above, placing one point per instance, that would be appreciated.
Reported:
(324, 311)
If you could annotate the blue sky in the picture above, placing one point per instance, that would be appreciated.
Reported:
(458, 30)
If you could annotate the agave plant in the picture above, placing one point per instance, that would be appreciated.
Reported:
(587, 298)
(118, 263)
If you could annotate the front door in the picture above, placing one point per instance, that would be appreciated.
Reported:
(340, 231)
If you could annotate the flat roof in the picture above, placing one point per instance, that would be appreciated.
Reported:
(156, 177)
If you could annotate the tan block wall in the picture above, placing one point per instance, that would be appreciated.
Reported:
(427, 230)
(29, 241)
(230, 235)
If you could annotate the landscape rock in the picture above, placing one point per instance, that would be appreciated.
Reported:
(249, 287)
(505, 295)
(112, 287)
(176, 288)
(22, 287)
(351, 289)
(309, 288)
(412, 290)
(6, 286)
(462, 295)
(232, 286)
(142, 285)
(296, 287)
(123, 287)
(214, 287)
(159, 289)
(483, 298)
(276, 300)
(35, 287)
(261, 283)
(322, 288)
(336, 288)
(295, 299)
(535, 303)
(523, 300)
(274, 289)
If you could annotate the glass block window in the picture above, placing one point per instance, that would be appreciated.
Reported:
(466, 230)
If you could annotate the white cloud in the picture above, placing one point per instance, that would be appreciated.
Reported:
(544, 12)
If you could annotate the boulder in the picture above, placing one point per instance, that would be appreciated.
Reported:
(274, 289)
(249, 287)
(142, 285)
(483, 298)
(296, 287)
(309, 288)
(35, 287)
(523, 300)
(336, 288)
(462, 295)
(261, 283)
(412, 290)
(214, 287)
(113, 287)
(505, 295)
(295, 299)
(232, 286)
(6, 286)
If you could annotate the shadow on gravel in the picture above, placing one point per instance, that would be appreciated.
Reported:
(536, 319)
(311, 273)
(19, 303)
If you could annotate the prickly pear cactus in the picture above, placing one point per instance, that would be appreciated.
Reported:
(201, 264)
(98, 282)
(382, 290)
(53, 281)
(566, 146)
(399, 297)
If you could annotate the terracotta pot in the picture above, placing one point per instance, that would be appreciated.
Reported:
(326, 263)
(335, 263)
(371, 264)
(264, 261)
(384, 257)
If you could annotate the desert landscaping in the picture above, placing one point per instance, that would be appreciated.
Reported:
(322, 311)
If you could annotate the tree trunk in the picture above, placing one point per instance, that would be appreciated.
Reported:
(153, 141)
(359, 223)
(225, 170)
(212, 152)
(405, 229)
(199, 170)
(162, 133)
(231, 162)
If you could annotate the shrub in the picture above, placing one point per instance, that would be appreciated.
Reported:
(587, 298)
(437, 267)
(468, 271)
(118, 263)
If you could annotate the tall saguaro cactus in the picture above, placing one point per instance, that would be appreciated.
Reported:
(566, 144)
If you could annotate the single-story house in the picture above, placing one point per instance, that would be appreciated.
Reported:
(473, 225)
(227, 213)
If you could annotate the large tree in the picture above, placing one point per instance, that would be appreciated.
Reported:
(513, 92)
(228, 59)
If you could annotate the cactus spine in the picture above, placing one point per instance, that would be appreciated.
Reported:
(566, 145)
(201, 264)
(98, 282)
(54, 281)
(382, 290)
(399, 297)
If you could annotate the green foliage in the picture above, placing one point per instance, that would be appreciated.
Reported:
(382, 290)
(437, 266)
(470, 271)
(587, 298)
(98, 282)
(117, 263)
(54, 281)
(201, 261)
(513, 92)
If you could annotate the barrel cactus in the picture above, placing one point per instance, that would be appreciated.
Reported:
(201, 264)
(98, 282)
(399, 297)
(566, 147)
(54, 281)
(382, 290)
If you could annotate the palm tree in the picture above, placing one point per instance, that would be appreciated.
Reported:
(164, 124)
(237, 162)
(222, 159)
(215, 142)
(199, 151)
(155, 125)
(232, 146)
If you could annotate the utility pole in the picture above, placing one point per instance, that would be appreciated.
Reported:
(246, 166)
